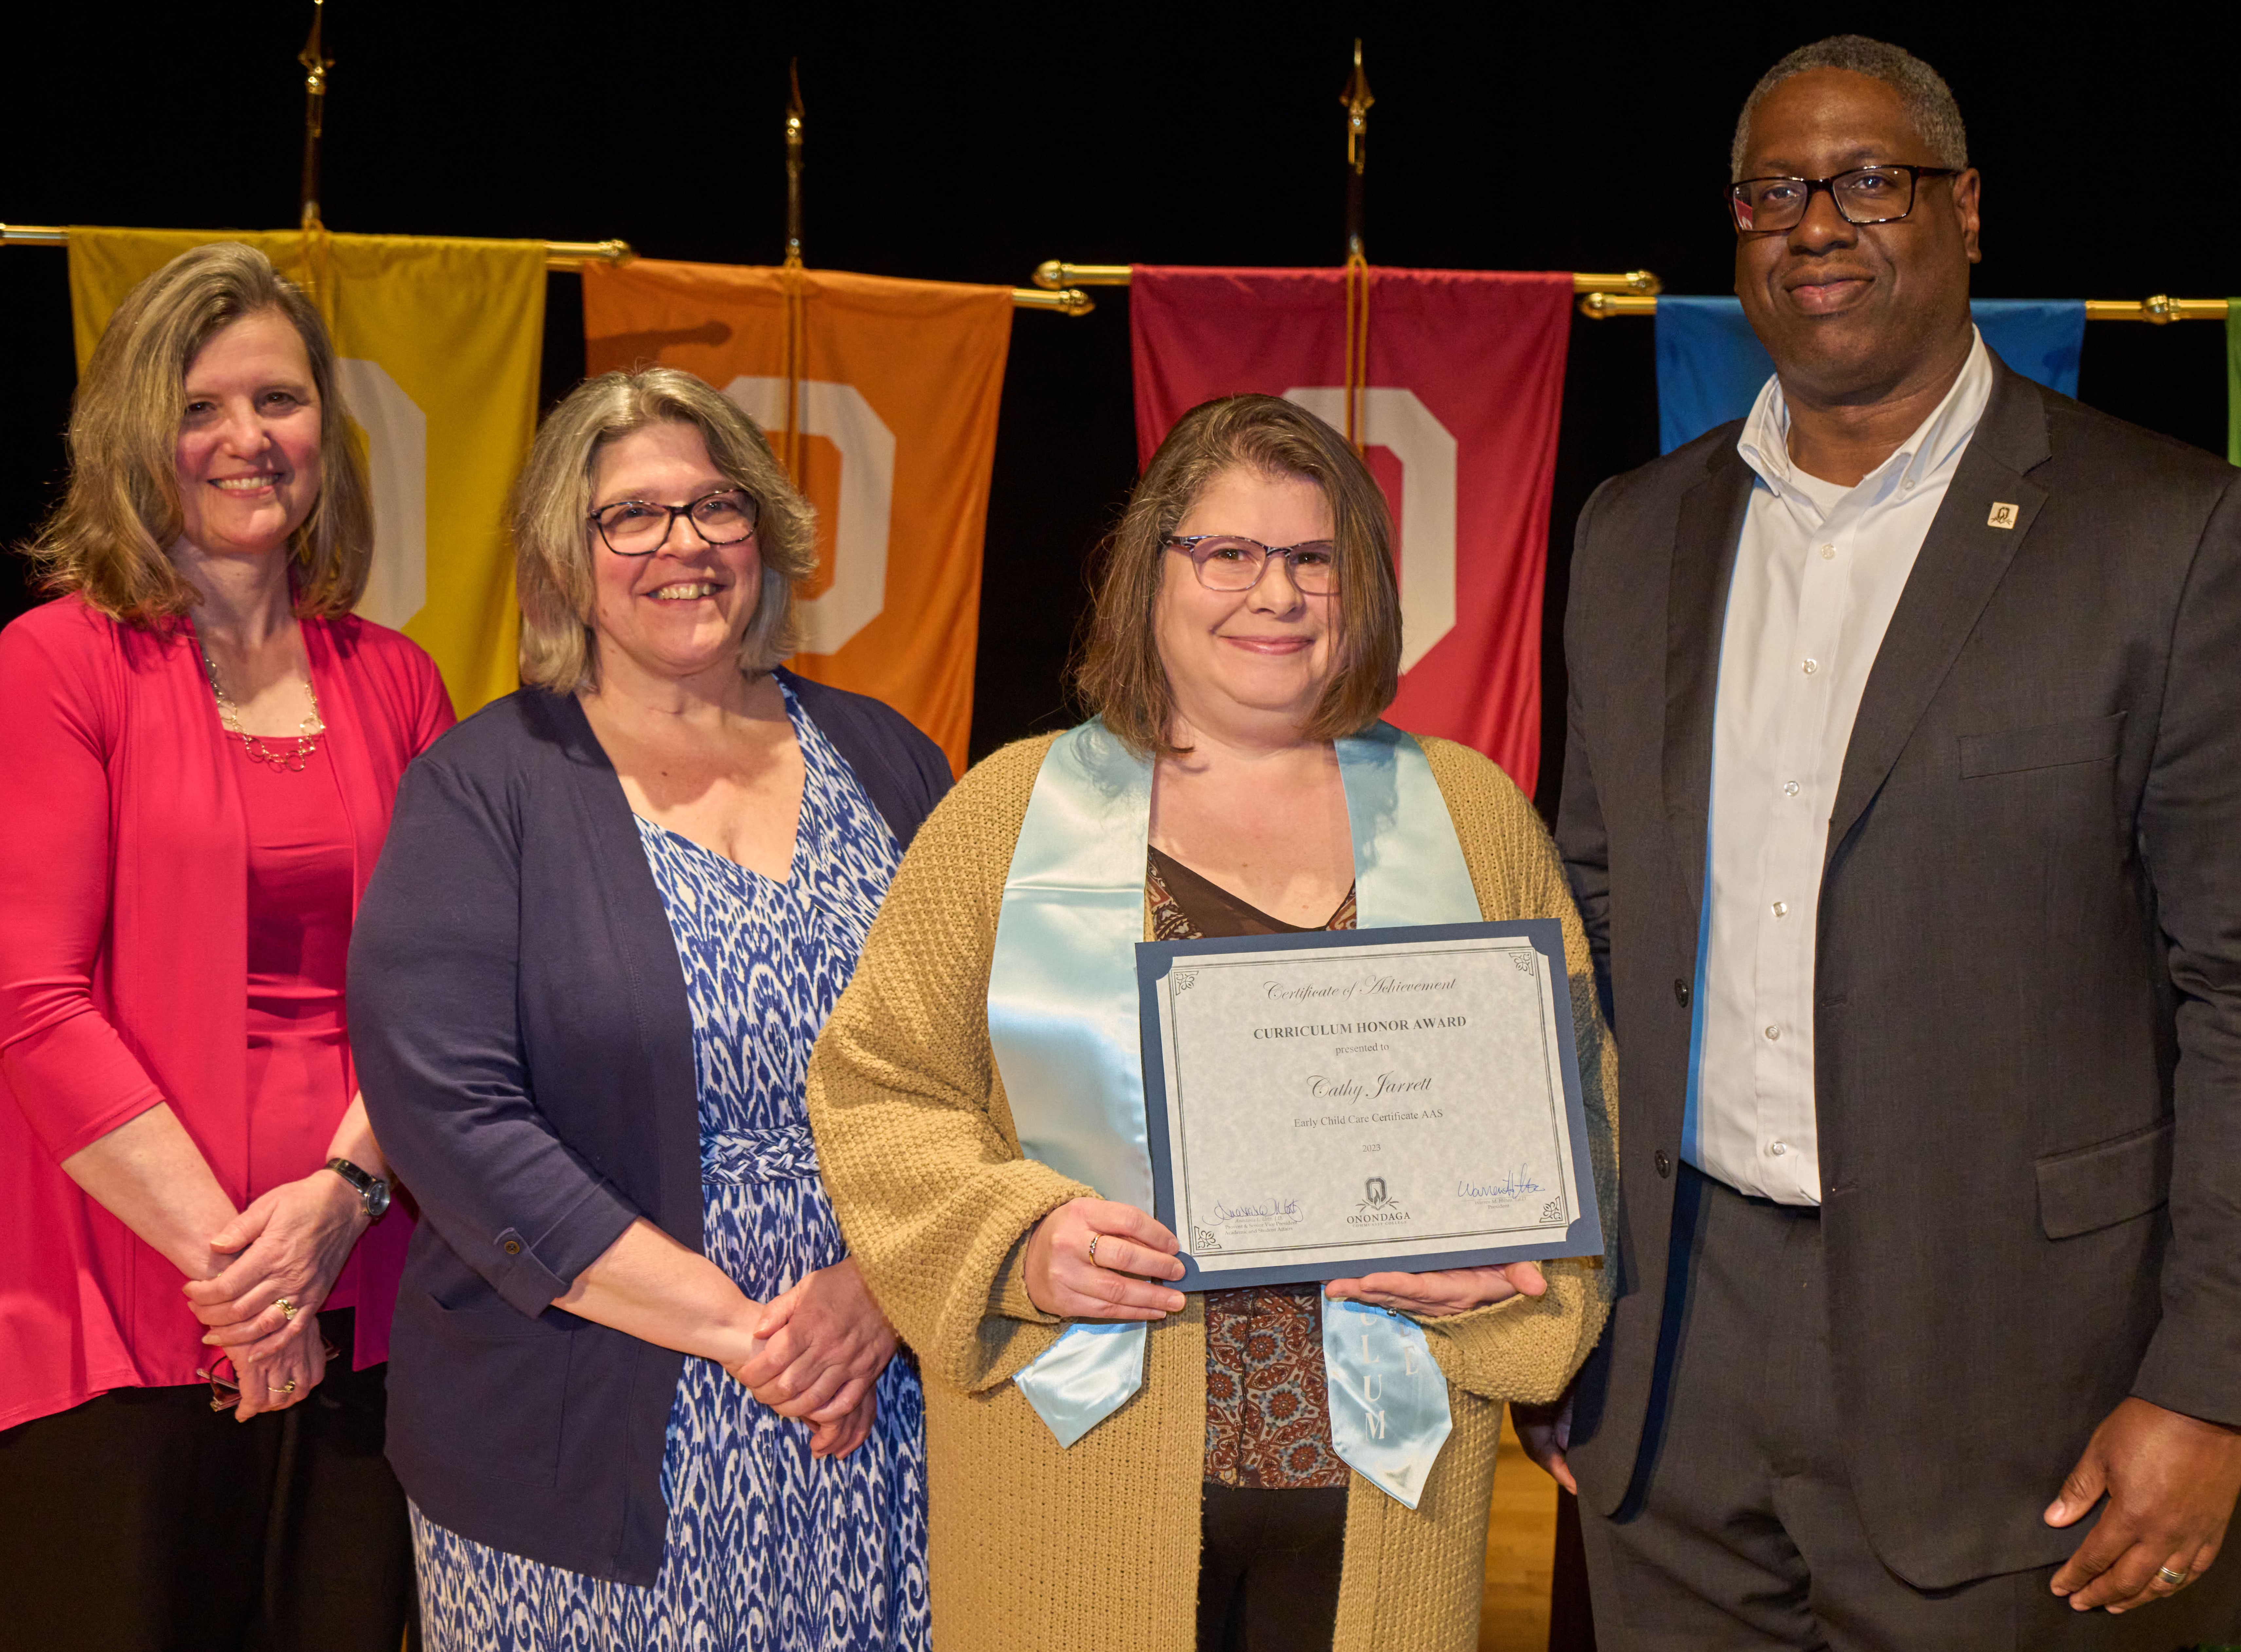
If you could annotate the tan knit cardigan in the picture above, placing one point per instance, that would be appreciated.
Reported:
(1033, 1546)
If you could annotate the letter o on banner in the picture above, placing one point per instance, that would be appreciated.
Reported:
(1395, 419)
(397, 463)
(842, 417)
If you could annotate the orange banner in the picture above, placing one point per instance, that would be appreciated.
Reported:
(897, 384)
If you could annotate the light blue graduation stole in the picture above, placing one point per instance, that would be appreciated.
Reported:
(1062, 1018)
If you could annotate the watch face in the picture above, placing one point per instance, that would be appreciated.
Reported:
(376, 1198)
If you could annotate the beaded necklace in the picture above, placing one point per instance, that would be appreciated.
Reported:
(291, 757)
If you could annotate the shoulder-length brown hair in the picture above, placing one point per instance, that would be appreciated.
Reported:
(1119, 675)
(121, 512)
(554, 538)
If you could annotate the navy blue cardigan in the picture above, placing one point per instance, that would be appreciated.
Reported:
(519, 1018)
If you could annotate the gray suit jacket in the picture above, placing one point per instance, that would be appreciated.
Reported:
(2027, 998)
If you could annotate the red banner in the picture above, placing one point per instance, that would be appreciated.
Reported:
(1458, 413)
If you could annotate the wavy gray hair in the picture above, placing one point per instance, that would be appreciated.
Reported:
(1929, 100)
(553, 537)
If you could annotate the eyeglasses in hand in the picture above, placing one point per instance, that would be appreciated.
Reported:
(225, 1382)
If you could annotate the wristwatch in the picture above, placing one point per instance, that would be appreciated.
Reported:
(372, 1191)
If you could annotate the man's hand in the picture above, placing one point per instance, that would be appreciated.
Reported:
(2171, 1480)
(1448, 1290)
(1545, 1431)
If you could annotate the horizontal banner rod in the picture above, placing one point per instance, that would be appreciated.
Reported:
(1067, 301)
(559, 255)
(1056, 272)
(2160, 309)
(1634, 293)
(574, 255)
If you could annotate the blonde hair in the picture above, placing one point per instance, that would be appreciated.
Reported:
(107, 540)
(554, 538)
(1120, 677)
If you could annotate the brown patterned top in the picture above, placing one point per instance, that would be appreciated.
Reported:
(1267, 1411)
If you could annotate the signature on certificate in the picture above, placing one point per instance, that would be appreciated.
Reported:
(1259, 1213)
(1506, 1188)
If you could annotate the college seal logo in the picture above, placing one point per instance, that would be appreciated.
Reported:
(1378, 1204)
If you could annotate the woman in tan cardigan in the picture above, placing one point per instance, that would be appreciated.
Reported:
(1247, 634)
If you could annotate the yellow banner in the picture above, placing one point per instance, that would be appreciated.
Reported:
(439, 342)
(897, 384)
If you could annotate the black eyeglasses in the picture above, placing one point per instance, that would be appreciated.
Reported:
(1864, 195)
(638, 527)
(1231, 562)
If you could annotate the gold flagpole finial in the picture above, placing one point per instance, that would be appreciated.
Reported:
(315, 63)
(1357, 100)
(793, 121)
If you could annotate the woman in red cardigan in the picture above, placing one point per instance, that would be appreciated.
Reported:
(198, 757)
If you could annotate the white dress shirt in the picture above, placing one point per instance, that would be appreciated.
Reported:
(1819, 570)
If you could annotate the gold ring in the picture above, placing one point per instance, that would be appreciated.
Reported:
(288, 1309)
(2176, 1580)
(1094, 1238)
(289, 1387)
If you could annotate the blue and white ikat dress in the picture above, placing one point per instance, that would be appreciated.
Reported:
(766, 1548)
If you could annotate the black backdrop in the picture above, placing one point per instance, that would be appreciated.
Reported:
(1593, 139)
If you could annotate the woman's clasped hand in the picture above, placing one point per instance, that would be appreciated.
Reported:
(820, 1348)
(262, 1312)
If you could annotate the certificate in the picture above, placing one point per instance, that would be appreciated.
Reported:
(1337, 1103)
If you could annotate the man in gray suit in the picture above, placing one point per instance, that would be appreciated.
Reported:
(1902, 801)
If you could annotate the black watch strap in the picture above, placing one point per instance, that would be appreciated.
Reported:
(372, 1191)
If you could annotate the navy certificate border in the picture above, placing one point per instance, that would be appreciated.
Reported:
(1155, 959)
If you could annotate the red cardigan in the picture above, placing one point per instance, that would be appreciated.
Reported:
(123, 965)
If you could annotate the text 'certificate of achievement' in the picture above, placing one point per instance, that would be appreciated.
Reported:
(1326, 1105)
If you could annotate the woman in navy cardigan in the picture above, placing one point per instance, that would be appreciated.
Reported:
(639, 1394)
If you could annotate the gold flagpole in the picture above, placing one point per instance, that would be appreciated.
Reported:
(312, 251)
(793, 163)
(790, 280)
(315, 63)
(1356, 100)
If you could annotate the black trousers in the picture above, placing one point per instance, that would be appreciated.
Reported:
(145, 1522)
(1740, 1530)
(1268, 1568)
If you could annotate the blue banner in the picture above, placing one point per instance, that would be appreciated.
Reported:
(1710, 365)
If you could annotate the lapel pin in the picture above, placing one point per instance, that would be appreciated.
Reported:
(2004, 516)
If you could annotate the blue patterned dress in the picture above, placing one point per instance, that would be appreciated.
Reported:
(766, 1548)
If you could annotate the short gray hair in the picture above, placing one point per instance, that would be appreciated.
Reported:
(1929, 100)
(553, 534)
